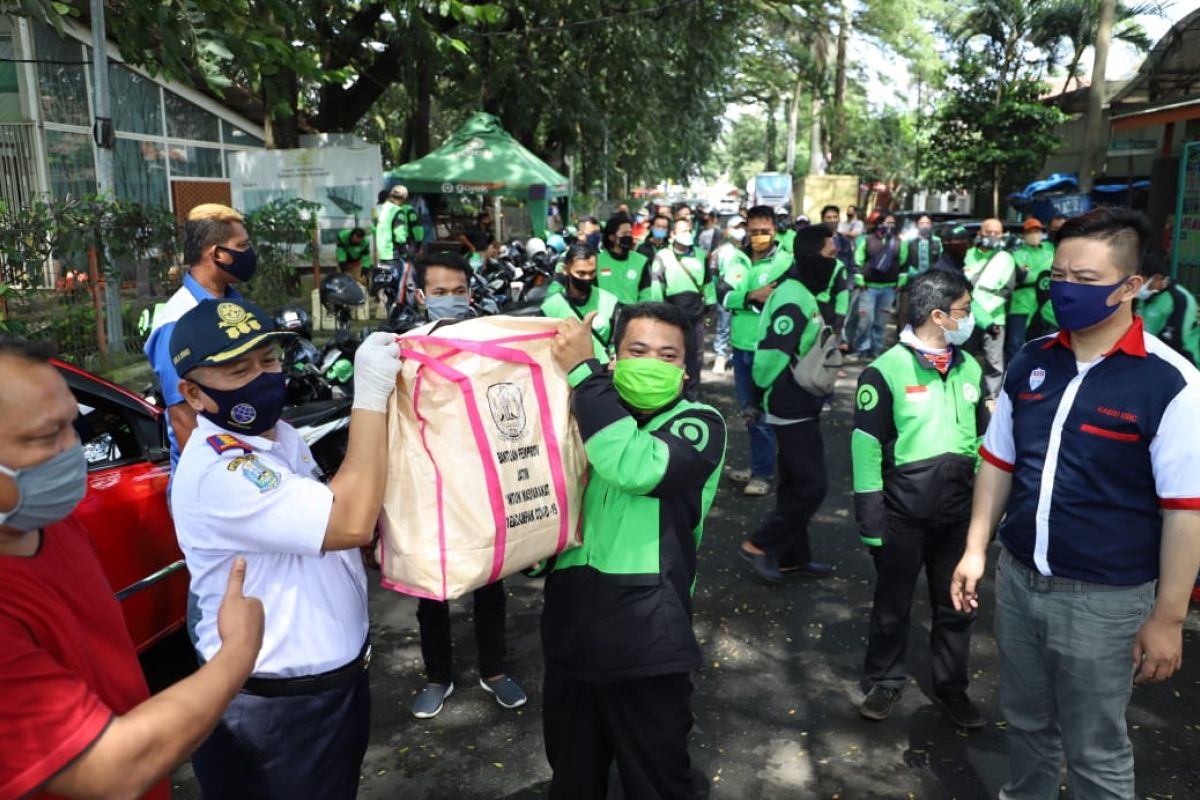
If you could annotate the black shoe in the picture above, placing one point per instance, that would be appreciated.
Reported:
(961, 711)
(879, 703)
(814, 569)
(765, 567)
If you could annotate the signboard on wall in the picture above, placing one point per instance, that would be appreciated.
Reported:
(1185, 241)
(344, 180)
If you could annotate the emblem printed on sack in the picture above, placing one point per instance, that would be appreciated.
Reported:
(1037, 378)
(508, 409)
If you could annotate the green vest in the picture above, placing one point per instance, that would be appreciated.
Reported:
(735, 269)
(621, 277)
(684, 273)
(385, 239)
(786, 240)
(1036, 261)
(1158, 311)
(991, 274)
(603, 302)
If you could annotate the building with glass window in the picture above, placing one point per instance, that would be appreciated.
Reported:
(172, 141)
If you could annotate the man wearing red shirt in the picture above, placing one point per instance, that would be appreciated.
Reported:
(76, 718)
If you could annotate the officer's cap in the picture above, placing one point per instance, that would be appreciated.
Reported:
(218, 331)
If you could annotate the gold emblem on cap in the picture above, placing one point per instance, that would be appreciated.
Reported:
(236, 320)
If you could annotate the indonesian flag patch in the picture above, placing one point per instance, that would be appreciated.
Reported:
(917, 394)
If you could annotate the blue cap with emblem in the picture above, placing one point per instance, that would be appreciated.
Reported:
(218, 331)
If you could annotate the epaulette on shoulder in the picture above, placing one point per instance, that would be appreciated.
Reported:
(224, 442)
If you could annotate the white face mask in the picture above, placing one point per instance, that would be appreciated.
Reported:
(684, 239)
(1145, 292)
(737, 234)
(958, 337)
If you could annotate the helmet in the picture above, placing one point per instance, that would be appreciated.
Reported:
(557, 243)
(340, 289)
(385, 278)
(294, 319)
(535, 246)
(401, 319)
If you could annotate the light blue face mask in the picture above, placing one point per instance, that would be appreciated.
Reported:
(48, 492)
(958, 337)
(450, 306)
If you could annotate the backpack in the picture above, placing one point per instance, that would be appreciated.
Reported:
(816, 371)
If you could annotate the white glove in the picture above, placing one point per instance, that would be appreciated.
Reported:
(376, 365)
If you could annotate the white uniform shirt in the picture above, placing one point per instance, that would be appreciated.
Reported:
(269, 507)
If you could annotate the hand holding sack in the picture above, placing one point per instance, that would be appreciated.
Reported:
(486, 465)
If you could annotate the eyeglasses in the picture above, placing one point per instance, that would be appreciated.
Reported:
(962, 310)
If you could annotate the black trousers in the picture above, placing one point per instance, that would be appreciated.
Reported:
(803, 484)
(693, 360)
(269, 748)
(437, 648)
(643, 723)
(938, 546)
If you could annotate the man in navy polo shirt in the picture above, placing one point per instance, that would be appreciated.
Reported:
(1093, 459)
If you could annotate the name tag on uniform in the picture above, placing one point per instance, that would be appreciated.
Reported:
(917, 394)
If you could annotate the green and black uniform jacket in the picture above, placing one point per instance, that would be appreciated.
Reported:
(826, 279)
(787, 329)
(1171, 316)
(620, 605)
(916, 440)
(561, 305)
(348, 253)
(627, 277)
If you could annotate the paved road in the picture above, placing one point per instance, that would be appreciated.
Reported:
(775, 704)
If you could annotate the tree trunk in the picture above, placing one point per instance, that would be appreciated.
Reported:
(836, 141)
(816, 151)
(793, 124)
(1093, 132)
(281, 95)
(772, 135)
(996, 190)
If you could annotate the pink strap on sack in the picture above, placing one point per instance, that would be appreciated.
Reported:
(494, 350)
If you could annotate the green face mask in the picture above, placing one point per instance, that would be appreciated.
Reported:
(647, 384)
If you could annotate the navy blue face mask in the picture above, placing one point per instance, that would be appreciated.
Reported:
(1081, 305)
(245, 262)
(252, 409)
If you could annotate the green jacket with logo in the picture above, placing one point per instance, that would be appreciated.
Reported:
(620, 605)
(628, 278)
(1171, 316)
(993, 275)
(916, 439)
(742, 276)
(683, 279)
(397, 225)
(787, 329)
(1032, 264)
(348, 252)
(605, 304)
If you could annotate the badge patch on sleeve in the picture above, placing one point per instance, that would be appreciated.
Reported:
(223, 443)
(691, 431)
(256, 472)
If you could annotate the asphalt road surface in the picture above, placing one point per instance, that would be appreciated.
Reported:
(776, 702)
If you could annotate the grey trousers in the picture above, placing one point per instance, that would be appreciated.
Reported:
(1066, 676)
(993, 363)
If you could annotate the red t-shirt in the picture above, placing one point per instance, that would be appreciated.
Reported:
(67, 664)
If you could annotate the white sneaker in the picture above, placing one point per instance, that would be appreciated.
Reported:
(757, 487)
(740, 475)
(719, 365)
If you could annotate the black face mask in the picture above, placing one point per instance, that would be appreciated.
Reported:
(252, 409)
(583, 285)
(245, 262)
(625, 243)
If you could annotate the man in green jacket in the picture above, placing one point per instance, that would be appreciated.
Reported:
(918, 419)
(582, 296)
(1033, 258)
(740, 278)
(880, 259)
(397, 230)
(1168, 310)
(992, 273)
(352, 247)
(728, 259)
(681, 278)
(925, 250)
(821, 273)
(621, 269)
(787, 330)
(617, 621)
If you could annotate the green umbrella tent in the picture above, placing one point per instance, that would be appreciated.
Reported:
(482, 158)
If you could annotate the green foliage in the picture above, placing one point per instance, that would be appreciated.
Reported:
(282, 232)
(985, 132)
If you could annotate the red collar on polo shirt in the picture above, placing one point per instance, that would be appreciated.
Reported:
(1132, 342)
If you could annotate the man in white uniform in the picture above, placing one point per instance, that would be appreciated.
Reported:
(246, 486)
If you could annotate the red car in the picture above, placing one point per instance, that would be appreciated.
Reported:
(125, 508)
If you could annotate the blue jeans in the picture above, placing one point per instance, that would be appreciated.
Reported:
(762, 435)
(875, 305)
(1066, 677)
(721, 340)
